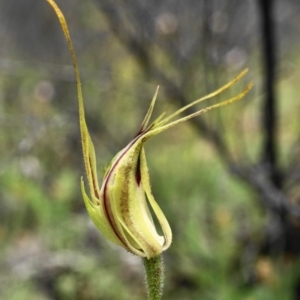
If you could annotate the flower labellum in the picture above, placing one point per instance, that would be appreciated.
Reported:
(122, 208)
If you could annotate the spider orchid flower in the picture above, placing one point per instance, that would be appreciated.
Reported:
(122, 208)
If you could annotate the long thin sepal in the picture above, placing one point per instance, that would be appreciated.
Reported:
(209, 96)
(87, 145)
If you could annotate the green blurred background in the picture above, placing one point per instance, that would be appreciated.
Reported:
(236, 235)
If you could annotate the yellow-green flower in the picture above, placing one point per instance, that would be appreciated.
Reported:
(120, 208)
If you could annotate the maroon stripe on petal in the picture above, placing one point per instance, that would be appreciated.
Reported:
(140, 132)
(138, 171)
(111, 222)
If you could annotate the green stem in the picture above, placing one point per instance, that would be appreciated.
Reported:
(154, 268)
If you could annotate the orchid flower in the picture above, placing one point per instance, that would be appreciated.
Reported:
(124, 208)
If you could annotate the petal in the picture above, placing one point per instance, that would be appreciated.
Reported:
(158, 212)
(149, 113)
(97, 214)
(90, 165)
(127, 206)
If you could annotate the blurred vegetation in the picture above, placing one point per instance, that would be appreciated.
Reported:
(49, 249)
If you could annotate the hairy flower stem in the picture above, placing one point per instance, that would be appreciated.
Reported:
(154, 268)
